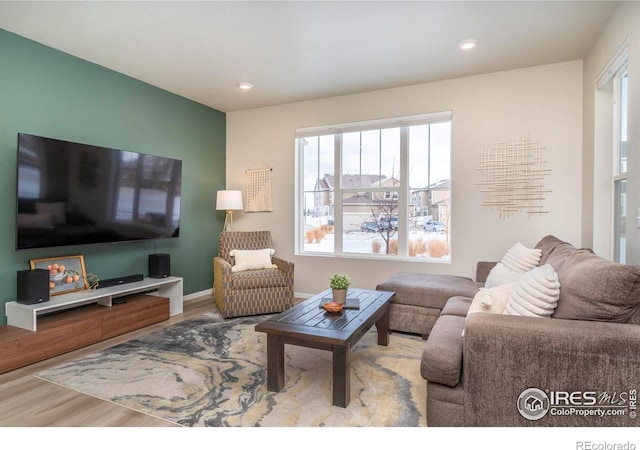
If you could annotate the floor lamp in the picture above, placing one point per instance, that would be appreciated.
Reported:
(229, 201)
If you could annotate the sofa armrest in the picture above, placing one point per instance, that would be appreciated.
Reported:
(505, 355)
(482, 270)
(442, 355)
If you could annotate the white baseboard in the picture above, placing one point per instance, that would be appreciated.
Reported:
(195, 295)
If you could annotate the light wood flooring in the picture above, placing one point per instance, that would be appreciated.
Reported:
(26, 401)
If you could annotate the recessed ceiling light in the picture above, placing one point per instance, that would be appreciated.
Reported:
(245, 86)
(468, 44)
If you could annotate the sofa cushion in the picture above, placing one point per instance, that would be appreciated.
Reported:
(593, 288)
(442, 356)
(546, 245)
(561, 254)
(556, 252)
(536, 294)
(427, 290)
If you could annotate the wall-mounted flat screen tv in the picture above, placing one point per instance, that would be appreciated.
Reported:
(72, 194)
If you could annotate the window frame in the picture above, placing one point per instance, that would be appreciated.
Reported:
(402, 193)
(619, 177)
(607, 82)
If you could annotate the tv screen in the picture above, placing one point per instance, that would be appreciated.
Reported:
(71, 194)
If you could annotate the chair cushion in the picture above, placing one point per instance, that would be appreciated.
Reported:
(442, 356)
(249, 279)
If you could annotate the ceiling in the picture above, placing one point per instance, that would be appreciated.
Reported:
(300, 50)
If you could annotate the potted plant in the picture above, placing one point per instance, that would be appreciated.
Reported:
(339, 285)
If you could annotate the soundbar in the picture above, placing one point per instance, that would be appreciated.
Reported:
(120, 280)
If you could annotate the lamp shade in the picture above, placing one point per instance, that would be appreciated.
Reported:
(229, 200)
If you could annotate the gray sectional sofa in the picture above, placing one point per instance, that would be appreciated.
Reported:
(579, 368)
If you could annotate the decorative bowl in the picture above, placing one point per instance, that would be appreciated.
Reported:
(333, 307)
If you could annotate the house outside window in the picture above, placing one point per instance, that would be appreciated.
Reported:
(374, 189)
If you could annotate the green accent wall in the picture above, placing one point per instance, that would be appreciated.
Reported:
(50, 93)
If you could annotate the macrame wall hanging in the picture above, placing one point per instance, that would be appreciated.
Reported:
(258, 190)
(513, 178)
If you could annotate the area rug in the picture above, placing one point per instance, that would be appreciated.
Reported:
(212, 372)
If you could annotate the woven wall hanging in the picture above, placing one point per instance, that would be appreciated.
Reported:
(514, 174)
(258, 190)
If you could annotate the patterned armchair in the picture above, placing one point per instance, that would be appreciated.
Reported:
(250, 292)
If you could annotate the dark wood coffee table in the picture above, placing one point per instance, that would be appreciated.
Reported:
(309, 325)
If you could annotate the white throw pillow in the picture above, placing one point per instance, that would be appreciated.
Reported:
(252, 259)
(493, 300)
(536, 294)
(500, 275)
(521, 258)
(518, 260)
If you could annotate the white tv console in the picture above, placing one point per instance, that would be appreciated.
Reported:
(26, 316)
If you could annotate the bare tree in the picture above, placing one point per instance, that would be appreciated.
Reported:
(383, 211)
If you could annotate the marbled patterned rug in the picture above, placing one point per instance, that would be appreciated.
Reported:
(212, 372)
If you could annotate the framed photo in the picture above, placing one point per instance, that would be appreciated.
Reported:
(66, 273)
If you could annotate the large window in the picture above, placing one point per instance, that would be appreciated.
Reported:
(376, 189)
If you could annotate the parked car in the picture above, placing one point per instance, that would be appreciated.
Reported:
(385, 223)
(369, 227)
(433, 225)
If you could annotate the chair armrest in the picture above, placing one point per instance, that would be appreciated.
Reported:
(505, 355)
(482, 270)
(221, 271)
(223, 263)
(283, 264)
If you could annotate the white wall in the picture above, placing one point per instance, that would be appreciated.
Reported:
(623, 24)
(542, 103)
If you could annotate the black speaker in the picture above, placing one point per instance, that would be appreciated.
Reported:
(159, 265)
(33, 286)
(120, 280)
